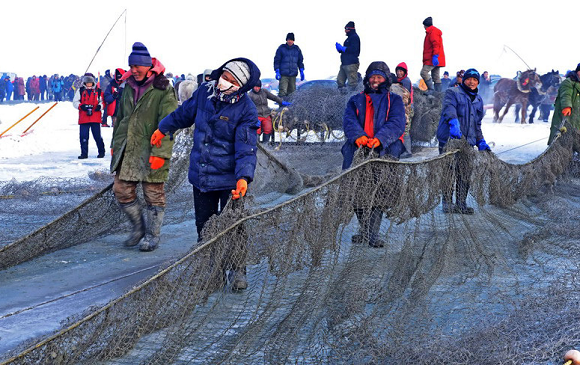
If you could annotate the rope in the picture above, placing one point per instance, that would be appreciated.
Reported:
(103, 42)
(511, 149)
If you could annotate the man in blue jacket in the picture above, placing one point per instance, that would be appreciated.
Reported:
(349, 53)
(374, 119)
(461, 116)
(287, 62)
(223, 157)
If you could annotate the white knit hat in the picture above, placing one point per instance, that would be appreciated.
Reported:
(239, 70)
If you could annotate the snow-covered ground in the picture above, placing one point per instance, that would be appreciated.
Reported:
(51, 147)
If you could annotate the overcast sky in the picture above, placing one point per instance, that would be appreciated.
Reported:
(46, 37)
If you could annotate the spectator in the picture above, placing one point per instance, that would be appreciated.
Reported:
(104, 85)
(42, 87)
(458, 80)
(57, 87)
(433, 55)
(223, 158)
(89, 102)
(373, 119)
(113, 95)
(567, 103)
(349, 62)
(288, 61)
(485, 87)
(461, 115)
(9, 87)
(445, 81)
(403, 79)
(260, 98)
(147, 98)
(2, 90)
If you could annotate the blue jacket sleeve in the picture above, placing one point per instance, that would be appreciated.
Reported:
(300, 60)
(277, 58)
(480, 114)
(246, 139)
(352, 128)
(109, 95)
(450, 105)
(182, 117)
(394, 127)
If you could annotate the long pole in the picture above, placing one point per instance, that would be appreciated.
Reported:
(98, 49)
(21, 119)
(508, 47)
(53, 105)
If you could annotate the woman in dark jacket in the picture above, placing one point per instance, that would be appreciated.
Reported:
(374, 119)
(223, 157)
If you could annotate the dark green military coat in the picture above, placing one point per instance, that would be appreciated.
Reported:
(135, 125)
(568, 96)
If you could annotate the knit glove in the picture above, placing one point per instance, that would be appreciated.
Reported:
(156, 162)
(156, 138)
(241, 188)
(361, 141)
(373, 143)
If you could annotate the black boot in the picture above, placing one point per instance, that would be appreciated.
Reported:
(429, 84)
(155, 216)
(265, 138)
(135, 215)
(437, 87)
(462, 190)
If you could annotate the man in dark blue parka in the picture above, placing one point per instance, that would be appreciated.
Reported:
(287, 62)
(374, 119)
(349, 62)
(223, 157)
(461, 116)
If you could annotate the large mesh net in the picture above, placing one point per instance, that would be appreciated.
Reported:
(495, 287)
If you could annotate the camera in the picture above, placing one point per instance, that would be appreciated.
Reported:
(89, 110)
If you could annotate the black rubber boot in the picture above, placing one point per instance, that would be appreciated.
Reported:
(462, 190)
(135, 215)
(265, 138)
(154, 222)
(374, 228)
(429, 84)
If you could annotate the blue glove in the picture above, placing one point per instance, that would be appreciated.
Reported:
(301, 74)
(435, 60)
(454, 129)
(278, 74)
(340, 48)
(482, 145)
(286, 103)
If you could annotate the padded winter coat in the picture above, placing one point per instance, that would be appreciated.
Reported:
(568, 96)
(352, 44)
(135, 125)
(288, 60)
(260, 99)
(458, 105)
(433, 45)
(389, 123)
(225, 135)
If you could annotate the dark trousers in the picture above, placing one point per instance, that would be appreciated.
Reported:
(207, 204)
(95, 129)
(462, 173)
(58, 96)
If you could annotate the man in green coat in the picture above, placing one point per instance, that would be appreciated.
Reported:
(148, 97)
(567, 103)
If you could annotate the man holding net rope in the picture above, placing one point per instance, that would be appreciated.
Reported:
(374, 120)
(567, 104)
(223, 157)
(461, 116)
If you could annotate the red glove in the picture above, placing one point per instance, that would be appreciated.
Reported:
(241, 188)
(373, 143)
(156, 162)
(361, 141)
(567, 111)
(111, 152)
(156, 138)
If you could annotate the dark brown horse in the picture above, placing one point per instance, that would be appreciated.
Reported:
(508, 92)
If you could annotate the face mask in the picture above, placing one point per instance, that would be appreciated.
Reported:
(227, 87)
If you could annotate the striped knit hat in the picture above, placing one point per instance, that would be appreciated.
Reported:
(239, 70)
(140, 55)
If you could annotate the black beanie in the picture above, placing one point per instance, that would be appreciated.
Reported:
(428, 22)
(578, 68)
(290, 36)
(349, 25)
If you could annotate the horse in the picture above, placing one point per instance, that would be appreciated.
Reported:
(508, 92)
(537, 96)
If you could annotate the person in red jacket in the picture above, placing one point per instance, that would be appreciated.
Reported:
(88, 100)
(433, 55)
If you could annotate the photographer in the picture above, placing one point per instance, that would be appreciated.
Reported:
(88, 100)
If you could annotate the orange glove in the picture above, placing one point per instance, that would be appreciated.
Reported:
(361, 141)
(156, 138)
(241, 188)
(156, 162)
(111, 152)
(567, 111)
(373, 143)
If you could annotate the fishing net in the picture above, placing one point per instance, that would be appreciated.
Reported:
(498, 286)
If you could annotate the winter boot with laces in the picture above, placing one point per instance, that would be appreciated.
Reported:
(155, 216)
(135, 215)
